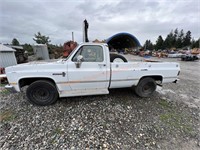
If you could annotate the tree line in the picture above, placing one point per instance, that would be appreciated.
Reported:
(174, 40)
(39, 39)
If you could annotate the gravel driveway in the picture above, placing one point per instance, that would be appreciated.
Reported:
(170, 119)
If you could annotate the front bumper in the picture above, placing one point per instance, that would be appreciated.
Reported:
(10, 88)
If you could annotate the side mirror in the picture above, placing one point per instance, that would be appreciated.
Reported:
(79, 61)
(80, 58)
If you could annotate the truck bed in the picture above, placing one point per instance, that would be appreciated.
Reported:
(128, 74)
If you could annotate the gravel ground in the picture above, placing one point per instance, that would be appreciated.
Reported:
(170, 119)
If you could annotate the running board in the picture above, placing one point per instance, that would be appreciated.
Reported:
(83, 92)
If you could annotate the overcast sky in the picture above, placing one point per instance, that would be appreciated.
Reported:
(145, 19)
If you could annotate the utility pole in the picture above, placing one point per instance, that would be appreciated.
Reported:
(73, 36)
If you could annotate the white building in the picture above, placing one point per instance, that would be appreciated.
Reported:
(7, 56)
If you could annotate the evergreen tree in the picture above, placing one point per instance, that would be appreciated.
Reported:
(28, 47)
(179, 43)
(41, 39)
(148, 45)
(175, 36)
(175, 39)
(197, 43)
(15, 42)
(159, 43)
(169, 40)
(187, 39)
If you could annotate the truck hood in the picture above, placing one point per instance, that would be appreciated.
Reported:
(35, 66)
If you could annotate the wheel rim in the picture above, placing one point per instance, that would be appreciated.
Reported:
(148, 88)
(41, 94)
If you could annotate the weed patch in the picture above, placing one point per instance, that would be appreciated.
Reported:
(165, 104)
(7, 116)
(177, 121)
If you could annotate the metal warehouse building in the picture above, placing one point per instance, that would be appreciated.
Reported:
(7, 56)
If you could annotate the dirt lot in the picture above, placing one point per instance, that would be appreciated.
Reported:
(170, 119)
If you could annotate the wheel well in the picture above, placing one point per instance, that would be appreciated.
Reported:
(156, 78)
(27, 81)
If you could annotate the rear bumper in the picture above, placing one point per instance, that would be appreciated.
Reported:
(10, 88)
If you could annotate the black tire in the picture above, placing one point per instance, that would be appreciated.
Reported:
(42, 92)
(146, 87)
(114, 56)
(195, 58)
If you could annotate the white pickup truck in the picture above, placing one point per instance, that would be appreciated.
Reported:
(89, 70)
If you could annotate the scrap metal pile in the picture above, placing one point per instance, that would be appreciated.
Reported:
(68, 48)
(184, 55)
(20, 54)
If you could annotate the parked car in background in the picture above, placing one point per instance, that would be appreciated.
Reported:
(189, 57)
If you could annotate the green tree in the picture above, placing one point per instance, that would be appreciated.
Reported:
(41, 39)
(28, 47)
(195, 44)
(179, 43)
(187, 39)
(159, 43)
(198, 43)
(148, 45)
(15, 42)
(169, 40)
(175, 36)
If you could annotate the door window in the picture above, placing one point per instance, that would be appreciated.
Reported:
(90, 53)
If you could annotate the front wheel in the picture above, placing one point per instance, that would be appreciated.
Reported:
(42, 92)
(146, 87)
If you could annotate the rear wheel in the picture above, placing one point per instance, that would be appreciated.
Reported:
(42, 92)
(146, 87)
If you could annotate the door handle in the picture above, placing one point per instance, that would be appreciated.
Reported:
(102, 65)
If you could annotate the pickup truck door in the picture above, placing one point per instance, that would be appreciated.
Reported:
(92, 73)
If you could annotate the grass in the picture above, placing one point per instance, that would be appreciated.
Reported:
(4, 91)
(177, 121)
(174, 119)
(57, 132)
(7, 116)
(2, 85)
(165, 103)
